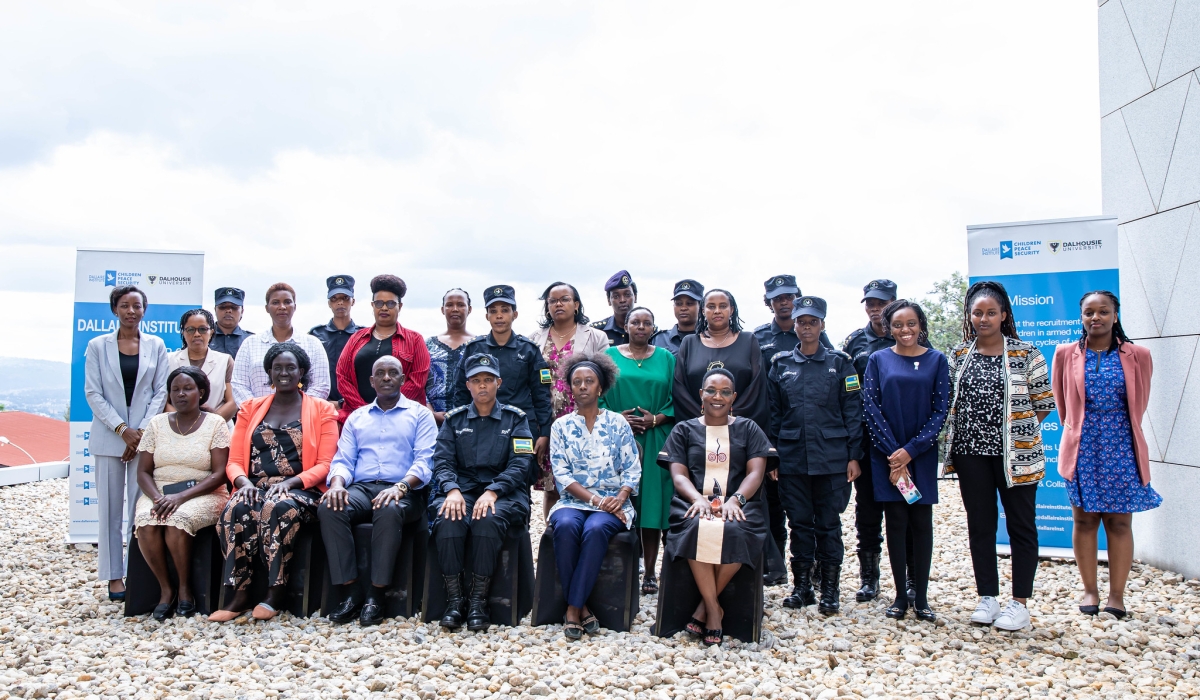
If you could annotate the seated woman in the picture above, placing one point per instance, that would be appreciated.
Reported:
(278, 459)
(596, 467)
(718, 515)
(181, 471)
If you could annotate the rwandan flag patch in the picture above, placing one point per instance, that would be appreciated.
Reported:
(852, 383)
(523, 446)
(547, 378)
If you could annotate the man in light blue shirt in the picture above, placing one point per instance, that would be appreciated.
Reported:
(382, 465)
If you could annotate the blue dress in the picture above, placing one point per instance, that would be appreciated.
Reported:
(905, 403)
(1106, 472)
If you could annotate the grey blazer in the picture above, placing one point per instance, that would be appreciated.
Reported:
(105, 390)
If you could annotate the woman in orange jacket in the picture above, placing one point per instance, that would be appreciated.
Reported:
(278, 460)
(1102, 384)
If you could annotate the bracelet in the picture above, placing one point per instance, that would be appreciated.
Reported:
(653, 420)
(120, 429)
(591, 501)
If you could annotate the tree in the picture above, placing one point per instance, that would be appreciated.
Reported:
(944, 310)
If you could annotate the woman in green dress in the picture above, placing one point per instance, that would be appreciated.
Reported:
(643, 395)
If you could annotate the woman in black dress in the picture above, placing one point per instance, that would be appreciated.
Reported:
(718, 515)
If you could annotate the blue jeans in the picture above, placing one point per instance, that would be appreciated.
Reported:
(580, 542)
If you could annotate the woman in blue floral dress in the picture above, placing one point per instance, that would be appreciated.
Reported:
(1103, 455)
(596, 467)
(445, 351)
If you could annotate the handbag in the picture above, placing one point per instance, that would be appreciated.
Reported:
(178, 487)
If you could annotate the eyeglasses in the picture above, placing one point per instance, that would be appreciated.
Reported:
(561, 301)
(389, 304)
(725, 393)
(196, 330)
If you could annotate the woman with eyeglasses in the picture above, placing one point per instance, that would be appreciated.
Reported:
(196, 326)
(386, 337)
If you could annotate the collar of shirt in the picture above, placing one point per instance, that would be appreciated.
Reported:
(776, 330)
(268, 337)
(512, 339)
(403, 404)
(350, 329)
(870, 331)
(818, 356)
(237, 330)
(610, 324)
(472, 413)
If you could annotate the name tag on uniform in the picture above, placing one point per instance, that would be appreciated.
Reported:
(523, 446)
(547, 378)
(852, 383)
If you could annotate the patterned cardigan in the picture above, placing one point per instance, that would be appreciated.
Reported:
(1026, 392)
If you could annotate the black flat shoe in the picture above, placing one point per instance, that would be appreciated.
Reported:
(163, 610)
(186, 608)
(925, 614)
(117, 596)
(1116, 612)
(372, 613)
(345, 612)
(896, 612)
(1089, 609)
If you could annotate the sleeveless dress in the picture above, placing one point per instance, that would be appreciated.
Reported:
(1106, 474)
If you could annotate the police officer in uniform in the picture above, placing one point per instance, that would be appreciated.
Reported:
(481, 464)
(622, 296)
(868, 515)
(333, 335)
(227, 337)
(687, 296)
(816, 425)
(526, 375)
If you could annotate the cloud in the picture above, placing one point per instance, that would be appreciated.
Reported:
(466, 145)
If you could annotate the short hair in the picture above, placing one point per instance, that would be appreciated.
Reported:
(114, 297)
(208, 318)
(389, 283)
(721, 371)
(608, 374)
(196, 375)
(452, 290)
(279, 287)
(545, 321)
(639, 308)
(302, 358)
(899, 305)
(632, 285)
(735, 321)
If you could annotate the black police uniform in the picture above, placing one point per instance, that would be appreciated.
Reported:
(229, 343)
(816, 426)
(333, 338)
(616, 336)
(671, 338)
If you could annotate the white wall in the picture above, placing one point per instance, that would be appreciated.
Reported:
(1150, 144)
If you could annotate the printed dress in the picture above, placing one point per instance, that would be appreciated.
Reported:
(443, 363)
(562, 401)
(1106, 473)
(716, 457)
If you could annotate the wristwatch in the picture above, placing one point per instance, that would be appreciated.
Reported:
(740, 499)
(402, 487)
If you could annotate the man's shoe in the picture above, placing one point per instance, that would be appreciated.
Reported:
(372, 611)
(347, 610)
(479, 617)
(802, 592)
(1014, 617)
(831, 575)
(453, 617)
(868, 574)
(986, 612)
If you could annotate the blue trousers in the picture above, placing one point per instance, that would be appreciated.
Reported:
(580, 542)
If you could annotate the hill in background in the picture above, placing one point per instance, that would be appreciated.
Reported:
(35, 386)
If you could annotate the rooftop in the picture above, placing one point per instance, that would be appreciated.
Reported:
(46, 439)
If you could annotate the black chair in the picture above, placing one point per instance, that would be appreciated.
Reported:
(512, 581)
(403, 597)
(141, 587)
(306, 574)
(616, 597)
(742, 601)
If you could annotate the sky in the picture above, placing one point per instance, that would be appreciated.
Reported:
(460, 144)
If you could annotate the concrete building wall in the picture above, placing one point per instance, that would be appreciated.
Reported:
(1150, 145)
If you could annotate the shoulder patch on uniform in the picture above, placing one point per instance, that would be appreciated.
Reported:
(546, 376)
(523, 446)
(781, 353)
(514, 409)
(852, 383)
(763, 327)
(839, 353)
(456, 411)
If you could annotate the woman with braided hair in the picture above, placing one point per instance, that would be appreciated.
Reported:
(999, 396)
(1103, 382)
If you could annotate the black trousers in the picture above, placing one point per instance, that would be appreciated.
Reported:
(487, 533)
(979, 478)
(910, 527)
(868, 516)
(814, 505)
(337, 530)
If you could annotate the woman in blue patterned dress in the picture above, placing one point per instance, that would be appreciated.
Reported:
(596, 467)
(1103, 455)
(445, 351)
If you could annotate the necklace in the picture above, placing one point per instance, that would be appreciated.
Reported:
(189, 428)
(640, 360)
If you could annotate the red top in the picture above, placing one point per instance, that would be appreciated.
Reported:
(407, 346)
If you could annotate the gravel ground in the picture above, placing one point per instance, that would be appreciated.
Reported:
(60, 637)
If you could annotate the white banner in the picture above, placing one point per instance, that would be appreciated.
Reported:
(173, 283)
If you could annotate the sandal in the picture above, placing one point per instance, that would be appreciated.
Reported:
(591, 624)
(649, 585)
(714, 637)
(573, 630)
(694, 628)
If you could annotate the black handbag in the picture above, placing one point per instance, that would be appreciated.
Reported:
(178, 487)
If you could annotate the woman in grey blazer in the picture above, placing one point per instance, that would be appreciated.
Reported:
(125, 380)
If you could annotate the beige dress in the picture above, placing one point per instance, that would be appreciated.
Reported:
(184, 458)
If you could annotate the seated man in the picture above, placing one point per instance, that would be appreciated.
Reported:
(483, 458)
(382, 463)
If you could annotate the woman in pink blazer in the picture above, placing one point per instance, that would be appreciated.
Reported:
(1102, 384)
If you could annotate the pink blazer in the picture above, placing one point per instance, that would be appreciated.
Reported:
(1067, 380)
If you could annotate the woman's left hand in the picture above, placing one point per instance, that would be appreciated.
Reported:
(899, 458)
(732, 510)
(165, 506)
(278, 492)
(613, 504)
